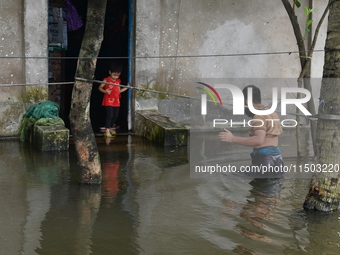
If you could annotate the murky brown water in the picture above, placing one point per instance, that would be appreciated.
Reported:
(149, 204)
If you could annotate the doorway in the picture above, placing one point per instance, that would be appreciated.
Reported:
(114, 48)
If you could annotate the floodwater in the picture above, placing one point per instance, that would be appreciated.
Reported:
(149, 204)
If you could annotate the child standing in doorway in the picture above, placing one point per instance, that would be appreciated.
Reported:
(111, 98)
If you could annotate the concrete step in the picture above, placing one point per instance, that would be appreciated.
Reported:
(160, 129)
(51, 138)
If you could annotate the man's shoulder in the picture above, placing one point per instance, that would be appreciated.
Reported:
(273, 115)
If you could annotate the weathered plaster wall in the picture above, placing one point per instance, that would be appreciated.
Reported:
(10, 68)
(202, 32)
(36, 41)
(23, 26)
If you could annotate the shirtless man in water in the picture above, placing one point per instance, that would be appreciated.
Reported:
(263, 135)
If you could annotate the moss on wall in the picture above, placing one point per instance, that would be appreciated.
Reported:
(10, 121)
(154, 87)
(35, 94)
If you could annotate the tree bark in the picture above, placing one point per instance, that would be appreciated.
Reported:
(84, 139)
(324, 193)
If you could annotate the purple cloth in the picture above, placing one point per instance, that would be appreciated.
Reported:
(74, 21)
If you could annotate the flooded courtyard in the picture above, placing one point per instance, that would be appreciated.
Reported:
(149, 203)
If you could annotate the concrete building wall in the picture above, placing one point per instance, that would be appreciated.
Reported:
(23, 26)
(203, 34)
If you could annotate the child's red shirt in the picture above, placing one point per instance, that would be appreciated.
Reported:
(112, 99)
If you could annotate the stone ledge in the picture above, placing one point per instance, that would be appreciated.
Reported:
(51, 138)
(159, 128)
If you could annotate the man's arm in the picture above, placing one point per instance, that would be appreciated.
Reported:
(253, 141)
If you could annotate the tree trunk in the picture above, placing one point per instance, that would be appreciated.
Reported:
(324, 193)
(305, 73)
(84, 139)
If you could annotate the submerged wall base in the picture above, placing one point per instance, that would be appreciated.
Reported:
(160, 129)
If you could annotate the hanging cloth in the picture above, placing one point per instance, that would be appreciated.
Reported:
(74, 21)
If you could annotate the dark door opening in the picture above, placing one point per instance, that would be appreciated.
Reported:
(114, 48)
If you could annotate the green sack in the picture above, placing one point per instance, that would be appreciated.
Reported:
(45, 113)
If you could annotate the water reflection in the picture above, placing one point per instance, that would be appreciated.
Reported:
(261, 207)
(149, 204)
(43, 169)
(110, 180)
(38, 203)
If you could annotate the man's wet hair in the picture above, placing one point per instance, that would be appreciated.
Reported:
(115, 67)
(256, 93)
